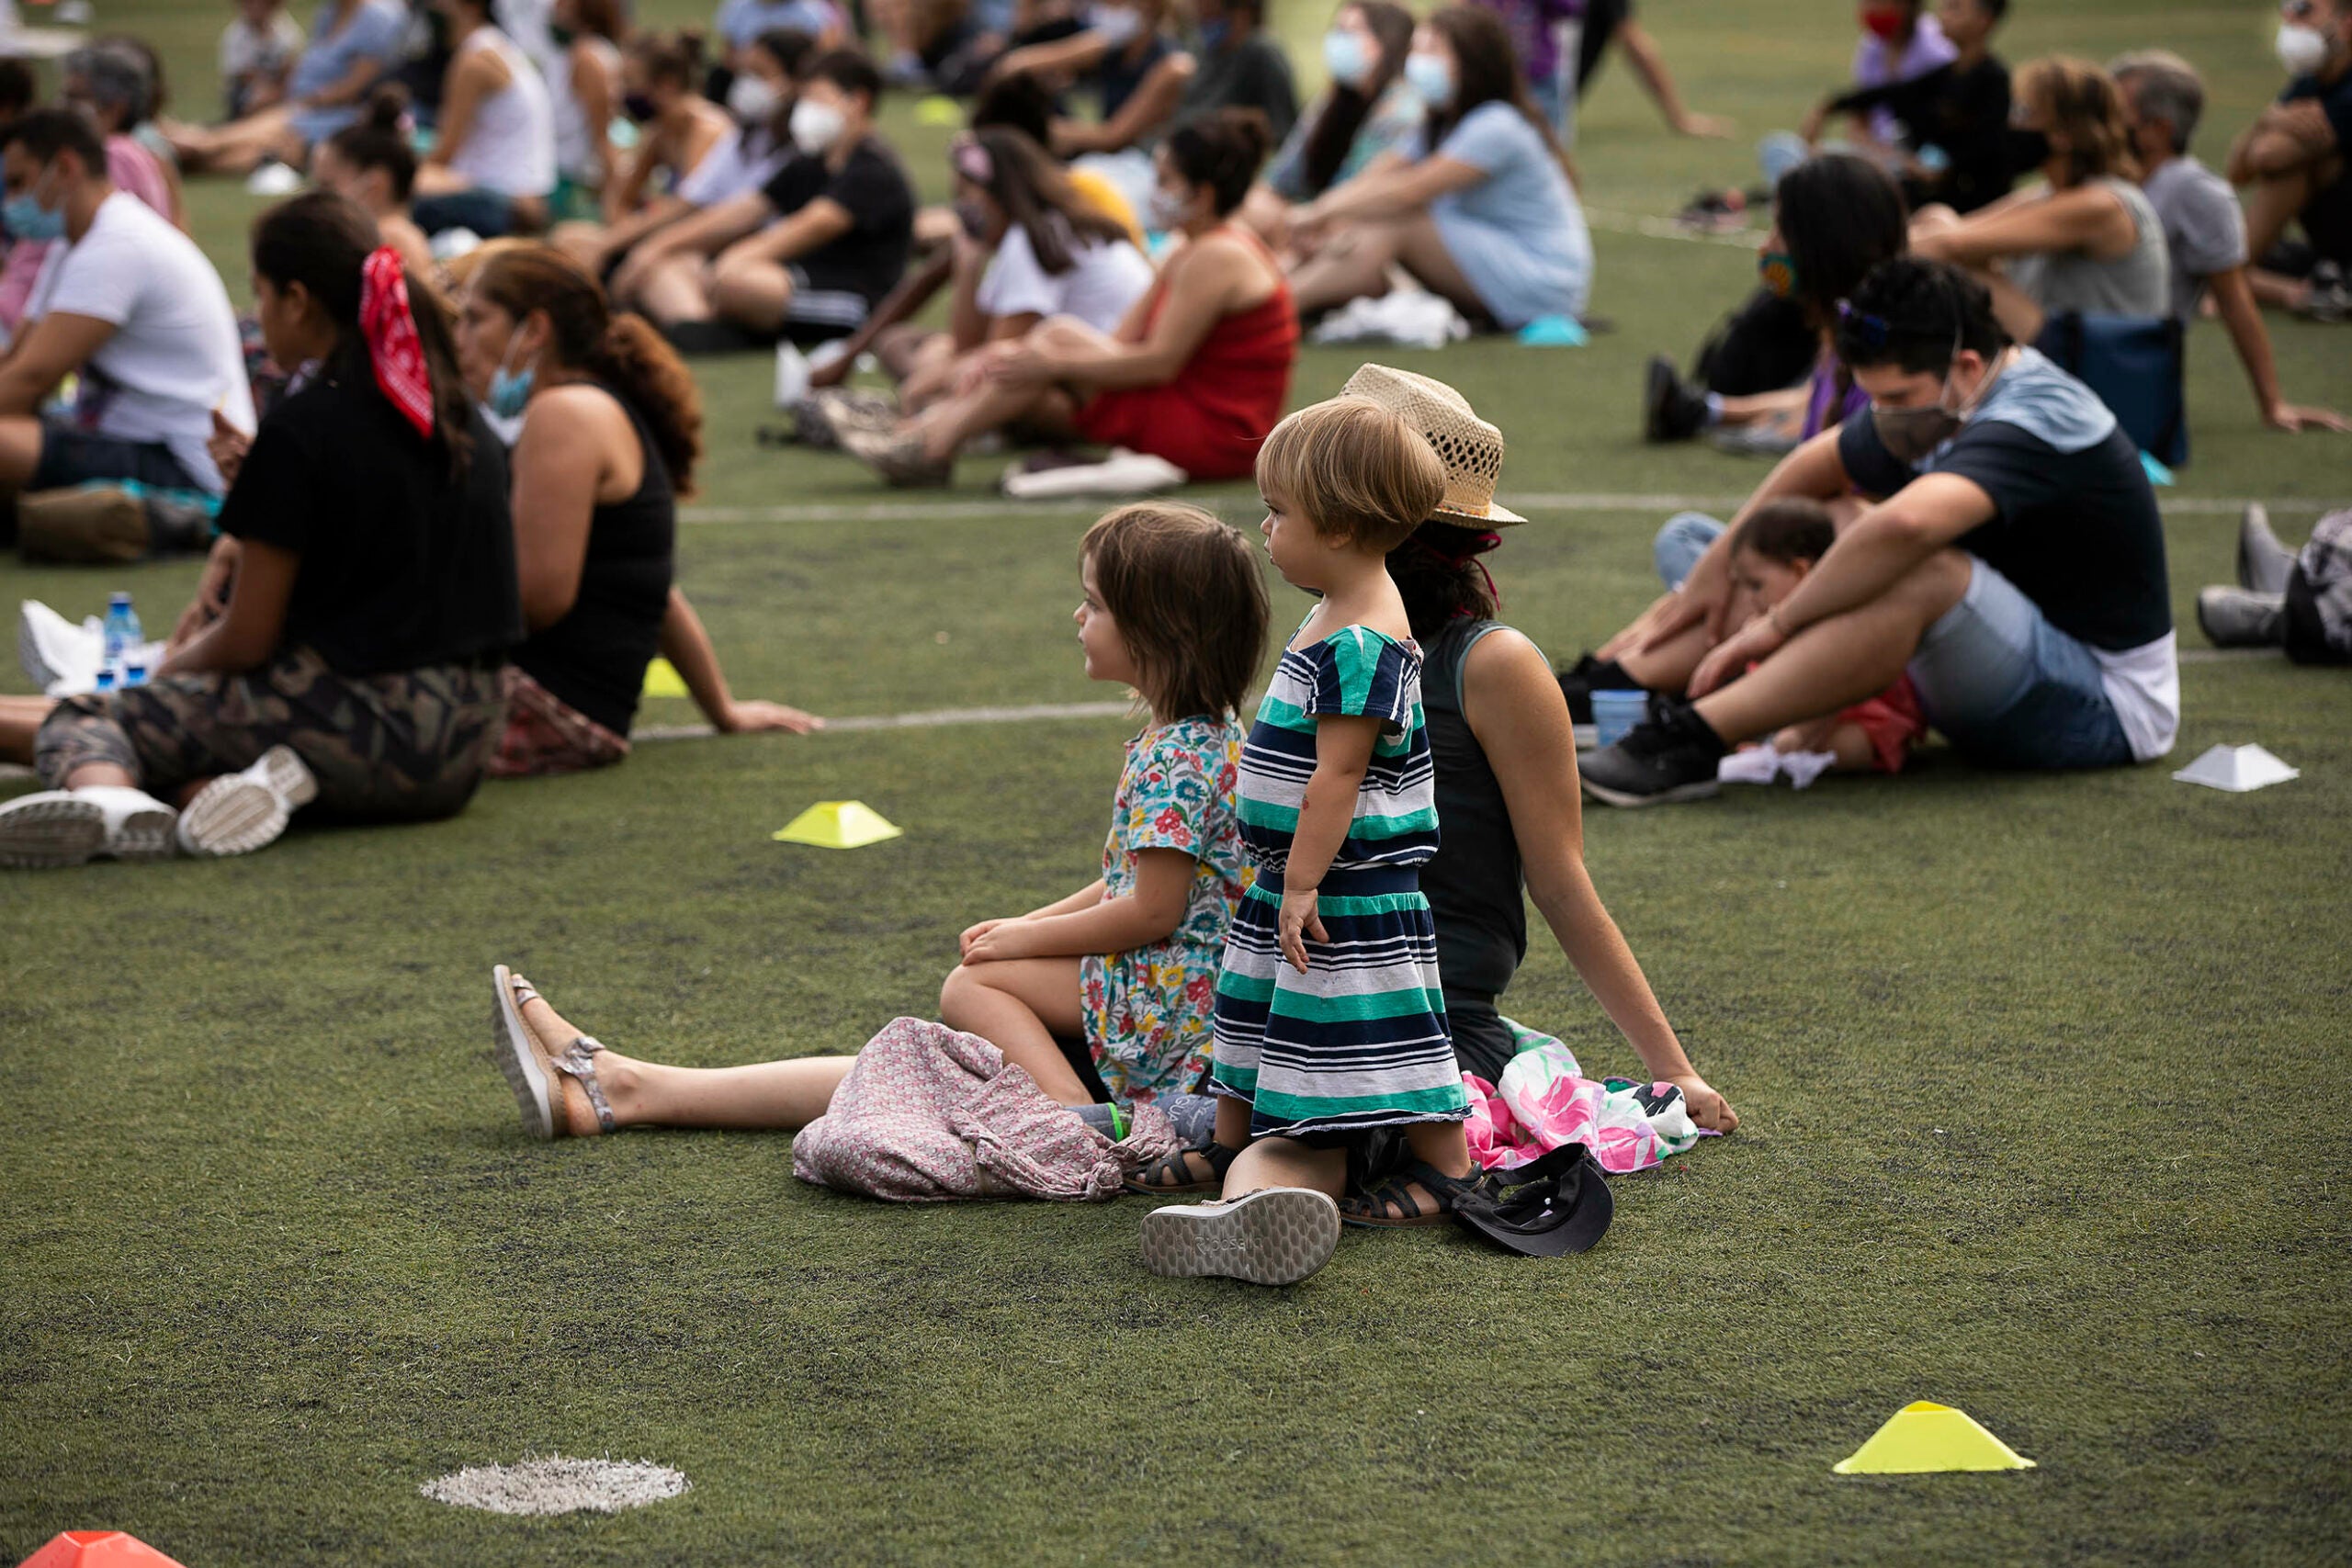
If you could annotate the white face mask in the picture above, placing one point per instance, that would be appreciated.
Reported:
(816, 127)
(1117, 24)
(752, 99)
(2303, 50)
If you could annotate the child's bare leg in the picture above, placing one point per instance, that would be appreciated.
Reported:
(761, 1095)
(1018, 1006)
(1285, 1162)
(1442, 1145)
(1232, 1130)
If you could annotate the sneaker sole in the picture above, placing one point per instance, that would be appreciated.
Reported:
(288, 777)
(510, 1047)
(49, 834)
(234, 815)
(144, 835)
(1706, 789)
(1277, 1236)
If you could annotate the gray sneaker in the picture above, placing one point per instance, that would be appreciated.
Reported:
(2263, 564)
(2240, 617)
(898, 456)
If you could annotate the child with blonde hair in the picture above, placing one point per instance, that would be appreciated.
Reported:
(1330, 1019)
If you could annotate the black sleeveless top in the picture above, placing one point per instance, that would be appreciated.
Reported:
(594, 660)
(1474, 884)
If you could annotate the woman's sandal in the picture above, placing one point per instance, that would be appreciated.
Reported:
(1392, 1206)
(1174, 1174)
(559, 1096)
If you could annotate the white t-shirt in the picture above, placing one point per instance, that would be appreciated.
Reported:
(174, 356)
(736, 166)
(1105, 277)
(244, 47)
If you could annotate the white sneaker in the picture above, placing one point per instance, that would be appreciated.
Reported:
(53, 649)
(1277, 1235)
(239, 813)
(50, 828)
(138, 825)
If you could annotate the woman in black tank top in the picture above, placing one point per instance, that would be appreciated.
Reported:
(612, 429)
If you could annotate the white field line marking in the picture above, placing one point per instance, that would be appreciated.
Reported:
(1667, 228)
(1562, 500)
(934, 719)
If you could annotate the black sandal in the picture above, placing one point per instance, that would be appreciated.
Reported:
(1174, 1174)
(1390, 1206)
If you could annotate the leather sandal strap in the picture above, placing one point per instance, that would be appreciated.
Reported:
(579, 1064)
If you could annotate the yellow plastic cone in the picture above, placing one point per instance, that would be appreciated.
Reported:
(662, 680)
(837, 825)
(1925, 1437)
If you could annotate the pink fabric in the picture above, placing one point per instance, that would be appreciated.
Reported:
(1545, 1100)
(927, 1114)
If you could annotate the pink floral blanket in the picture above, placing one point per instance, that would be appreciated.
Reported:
(1545, 1100)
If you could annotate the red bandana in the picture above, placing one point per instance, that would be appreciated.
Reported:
(392, 344)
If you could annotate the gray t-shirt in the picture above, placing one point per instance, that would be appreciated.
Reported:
(2204, 227)
(2137, 283)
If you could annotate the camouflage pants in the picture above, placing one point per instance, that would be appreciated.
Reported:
(408, 745)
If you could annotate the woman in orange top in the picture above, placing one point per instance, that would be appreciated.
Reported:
(1198, 372)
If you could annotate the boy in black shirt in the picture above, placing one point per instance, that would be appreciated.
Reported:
(2012, 564)
(1956, 140)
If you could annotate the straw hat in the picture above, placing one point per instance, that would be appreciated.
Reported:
(1470, 448)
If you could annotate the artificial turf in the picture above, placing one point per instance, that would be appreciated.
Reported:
(2040, 1079)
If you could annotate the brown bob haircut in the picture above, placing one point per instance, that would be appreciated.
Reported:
(1353, 469)
(1190, 603)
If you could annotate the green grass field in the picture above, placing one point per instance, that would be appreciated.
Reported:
(2040, 1077)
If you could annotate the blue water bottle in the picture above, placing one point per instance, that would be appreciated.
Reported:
(125, 659)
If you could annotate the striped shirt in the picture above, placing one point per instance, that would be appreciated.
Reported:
(1355, 672)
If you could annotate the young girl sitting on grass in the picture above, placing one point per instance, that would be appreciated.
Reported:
(1330, 1019)
(1774, 550)
(1176, 608)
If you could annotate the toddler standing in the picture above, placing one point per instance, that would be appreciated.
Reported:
(1329, 1020)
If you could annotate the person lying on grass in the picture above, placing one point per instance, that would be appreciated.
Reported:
(611, 429)
(1126, 966)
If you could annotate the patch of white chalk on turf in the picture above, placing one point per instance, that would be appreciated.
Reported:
(557, 1485)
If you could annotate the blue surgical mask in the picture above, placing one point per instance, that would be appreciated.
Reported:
(509, 390)
(1431, 78)
(1346, 58)
(27, 220)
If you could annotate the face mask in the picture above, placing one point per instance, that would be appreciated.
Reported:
(1431, 78)
(752, 99)
(2031, 148)
(561, 36)
(816, 127)
(1911, 435)
(2302, 50)
(509, 390)
(1166, 209)
(27, 220)
(1346, 58)
(1779, 271)
(1117, 24)
(639, 107)
(974, 217)
(1883, 22)
(1214, 34)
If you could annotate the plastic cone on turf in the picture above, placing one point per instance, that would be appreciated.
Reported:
(662, 680)
(837, 825)
(1924, 1436)
(98, 1549)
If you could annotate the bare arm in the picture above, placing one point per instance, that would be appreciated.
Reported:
(815, 226)
(687, 647)
(1147, 108)
(1387, 190)
(1642, 54)
(1065, 56)
(1514, 707)
(559, 462)
(473, 79)
(349, 89)
(2282, 139)
(1343, 744)
(1073, 928)
(1202, 283)
(58, 344)
(2084, 219)
(968, 324)
(591, 89)
(706, 232)
(249, 631)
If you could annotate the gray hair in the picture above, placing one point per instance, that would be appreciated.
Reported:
(2162, 85)
(116, 78)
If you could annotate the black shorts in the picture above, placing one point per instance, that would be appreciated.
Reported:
(2327, 221)
(826, 300)
(72, 455)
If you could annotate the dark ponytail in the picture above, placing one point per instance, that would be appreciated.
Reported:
(379, 139)
(1222, 150)
(623, 351)
(322, 241)
(1437, 574)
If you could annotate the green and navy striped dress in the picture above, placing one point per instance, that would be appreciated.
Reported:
(1359, 1040)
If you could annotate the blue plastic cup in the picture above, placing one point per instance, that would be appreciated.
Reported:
(1614, 713)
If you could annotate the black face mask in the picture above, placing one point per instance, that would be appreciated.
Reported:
(639, 107)
(973, 218)
(2028, 150)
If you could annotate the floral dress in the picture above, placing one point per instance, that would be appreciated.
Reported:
(1148, 1010)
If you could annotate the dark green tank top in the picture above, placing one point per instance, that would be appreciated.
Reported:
(1475, 883)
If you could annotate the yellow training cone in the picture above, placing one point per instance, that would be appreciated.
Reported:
(662, 680)
(1923, 1436)
(837, 825)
